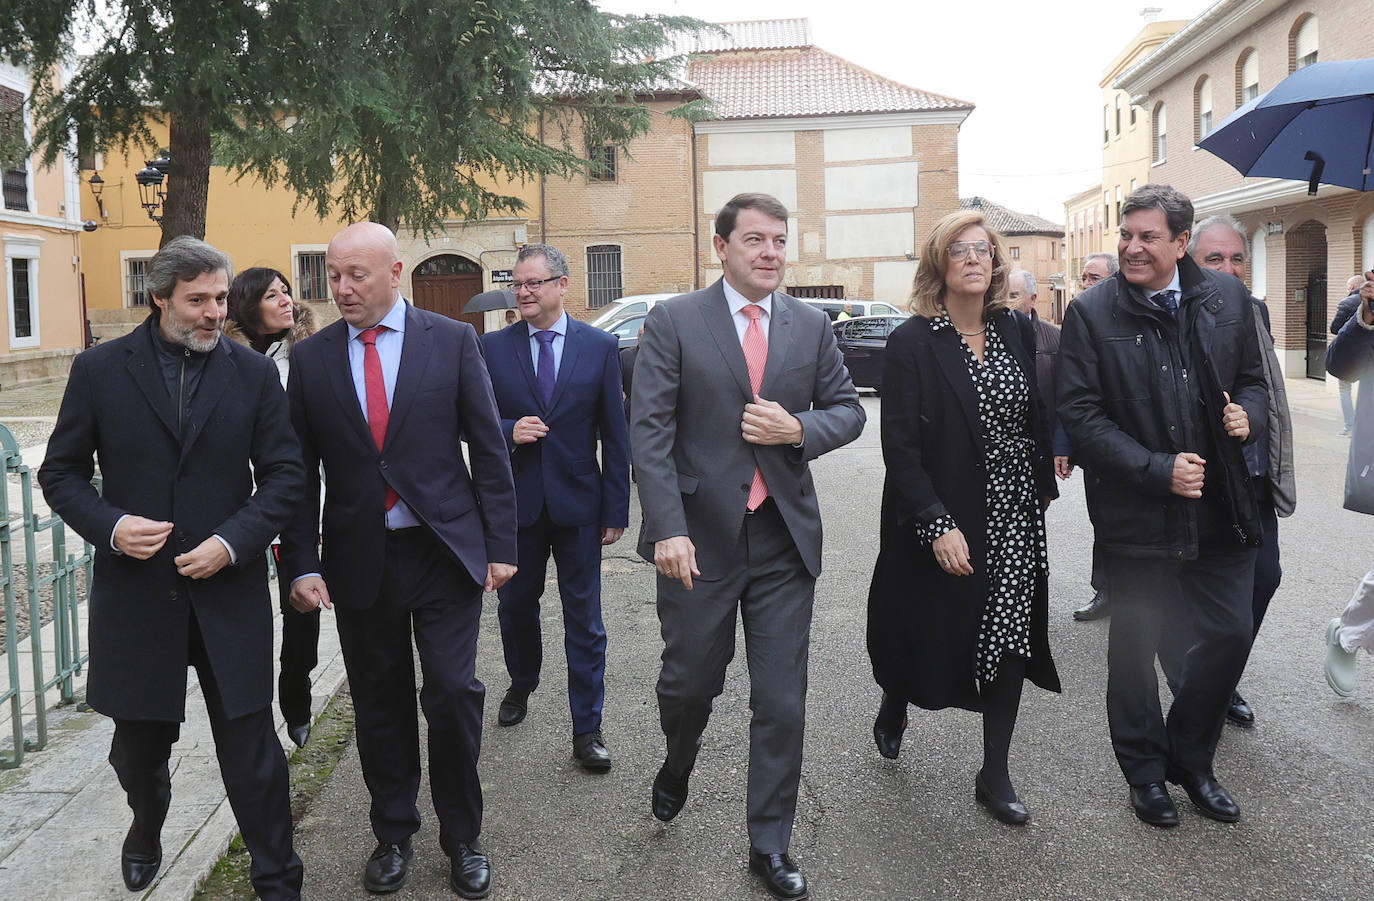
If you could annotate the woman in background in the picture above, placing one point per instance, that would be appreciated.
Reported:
(263, 316)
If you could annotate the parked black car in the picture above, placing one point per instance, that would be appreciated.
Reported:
(863, 340)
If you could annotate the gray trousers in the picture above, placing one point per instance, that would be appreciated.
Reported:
(773, 592)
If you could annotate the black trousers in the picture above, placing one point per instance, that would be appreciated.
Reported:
(1208, 602)
(300, 647)
(425, 592)
(251, 763)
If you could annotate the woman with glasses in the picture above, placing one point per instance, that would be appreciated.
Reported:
(958, 606)
(263, 316)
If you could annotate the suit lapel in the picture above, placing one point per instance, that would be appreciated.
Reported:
(780, 334)
(146, 372)
(949, 350)
(415, 351)
(572, 346)
(519, 339)
(716, 314)
(214, 381)
(335, 350)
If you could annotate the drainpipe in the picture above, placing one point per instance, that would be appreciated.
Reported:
(543, 182)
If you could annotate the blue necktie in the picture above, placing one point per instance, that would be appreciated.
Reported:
(1168, 300)
(546, 375)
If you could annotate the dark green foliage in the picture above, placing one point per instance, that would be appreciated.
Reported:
(389, 109)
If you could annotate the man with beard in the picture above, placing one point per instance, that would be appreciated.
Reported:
(183, 424)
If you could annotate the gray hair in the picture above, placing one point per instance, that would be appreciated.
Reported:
(1177, 209)
(1353, 283)
(1113, 267)
(553, 258)
(1221, 221)
(183, 259)
(1028, 283)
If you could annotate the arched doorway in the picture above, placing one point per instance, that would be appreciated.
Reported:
(443, 283)
(1306, 276)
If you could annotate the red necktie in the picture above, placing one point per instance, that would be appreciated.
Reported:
(756, 357)
(377, 411)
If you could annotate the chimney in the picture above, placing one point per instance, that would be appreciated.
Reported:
(1151, 14)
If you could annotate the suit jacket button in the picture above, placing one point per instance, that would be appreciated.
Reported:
(172, 596)
(744, 488)
(383, 464)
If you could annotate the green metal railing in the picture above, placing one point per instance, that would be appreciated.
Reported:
(69, 578)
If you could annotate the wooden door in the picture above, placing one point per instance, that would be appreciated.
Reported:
(443, 284)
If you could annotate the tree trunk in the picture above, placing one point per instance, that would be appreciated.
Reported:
(188, 179)
(382, 211)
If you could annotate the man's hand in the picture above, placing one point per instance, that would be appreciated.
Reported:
(1234, 419)
(1063, 467)
(676, 558)
(528, 429)
(1367, 298)
(1188, 473)
(139, 537)
(310, 593)
(610, 536)
(207, 559)
(767, 422)
(951, 552)
(499, 574)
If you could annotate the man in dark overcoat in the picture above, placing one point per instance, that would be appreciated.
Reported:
(1161, 382)
(183, 424)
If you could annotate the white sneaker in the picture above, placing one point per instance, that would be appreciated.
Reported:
(1340, 663)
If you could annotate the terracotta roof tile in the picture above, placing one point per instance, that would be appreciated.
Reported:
(803, 82)
(1010, 222)
(764, 34)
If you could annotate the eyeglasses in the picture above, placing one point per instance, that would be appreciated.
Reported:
(533, 284)
(960, 249)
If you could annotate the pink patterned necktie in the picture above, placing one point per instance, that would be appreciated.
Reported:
(756, 357)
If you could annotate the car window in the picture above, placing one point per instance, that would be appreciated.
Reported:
(882, 309)
(868, 328)
(628, 328)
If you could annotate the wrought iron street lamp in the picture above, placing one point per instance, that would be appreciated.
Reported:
(150, 179)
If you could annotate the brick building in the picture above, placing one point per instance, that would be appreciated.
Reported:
(866, 166)
(1033, 244)
(1303, 248)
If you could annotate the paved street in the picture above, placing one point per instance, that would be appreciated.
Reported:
(871, 828)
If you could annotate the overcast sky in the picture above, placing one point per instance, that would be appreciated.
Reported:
(1031, 70)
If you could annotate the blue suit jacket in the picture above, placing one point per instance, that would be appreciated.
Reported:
(559, 471)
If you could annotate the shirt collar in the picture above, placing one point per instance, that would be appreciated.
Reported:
(738, 301)
(1175, 285)
(560, 327)
(395, 319)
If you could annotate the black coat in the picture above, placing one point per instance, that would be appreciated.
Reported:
(1137, 387)
(117, 407)
(922, 621)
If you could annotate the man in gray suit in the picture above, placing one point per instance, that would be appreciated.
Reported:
(737, 387)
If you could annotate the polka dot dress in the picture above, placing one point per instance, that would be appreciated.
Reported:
(1016, 555)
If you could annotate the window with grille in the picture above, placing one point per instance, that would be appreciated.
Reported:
(605, 280)
(21, 298)
(136, 282)
(1015, 253)
(311, 281)
(13, 164)
(603, 160)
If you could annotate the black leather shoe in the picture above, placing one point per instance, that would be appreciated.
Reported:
(1013, 813)
(299, 735)
(589, 749)
(139, 861)
(1240, 713)
(513, 707)
(1207, 795)
(780, 875)
(889, 726)
(669, 794)
(470, 876)
(386, 868)
(1097, 608)
(1153, 805)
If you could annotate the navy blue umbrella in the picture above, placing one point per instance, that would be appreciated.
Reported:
(1317, 126)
